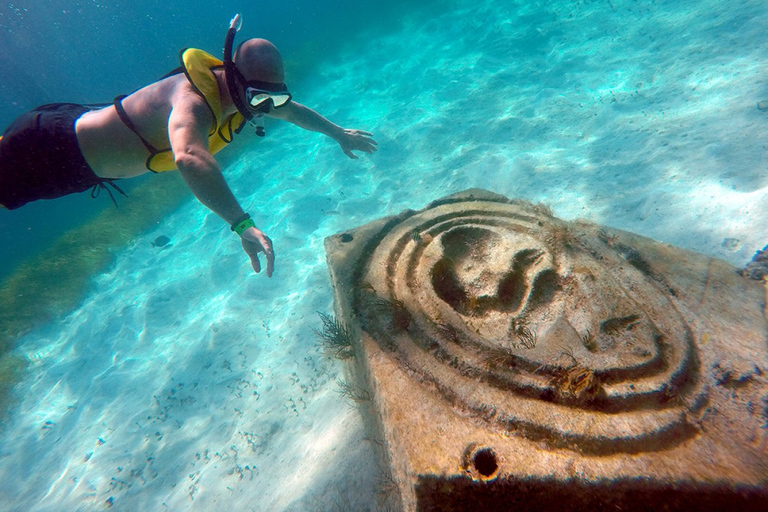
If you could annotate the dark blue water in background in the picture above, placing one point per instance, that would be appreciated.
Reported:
(89, 51)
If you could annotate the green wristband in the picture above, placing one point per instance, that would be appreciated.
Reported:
(243, 225)
(239, 220)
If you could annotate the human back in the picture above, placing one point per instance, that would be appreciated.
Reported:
(112, 149)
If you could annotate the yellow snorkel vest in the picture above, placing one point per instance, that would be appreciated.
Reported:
(198, 66)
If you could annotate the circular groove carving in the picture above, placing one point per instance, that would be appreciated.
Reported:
(534, 325)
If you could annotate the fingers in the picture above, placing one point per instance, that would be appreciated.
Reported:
(365, 145)
(270, 255)
(357, 140)
(254, 242)
(367, 136)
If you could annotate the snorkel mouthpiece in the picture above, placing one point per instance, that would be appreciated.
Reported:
(259, 122)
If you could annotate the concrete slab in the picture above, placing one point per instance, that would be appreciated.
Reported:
(515, 360)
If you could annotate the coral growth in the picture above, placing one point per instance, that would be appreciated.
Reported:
(526, 337)
(521, 335)
(575, 382)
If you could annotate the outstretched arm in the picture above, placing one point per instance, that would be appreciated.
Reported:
(187, 131)
(305, 117)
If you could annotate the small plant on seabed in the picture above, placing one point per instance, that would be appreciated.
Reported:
(356, 394)
(335, 337)
(388, 488)
(341, 502)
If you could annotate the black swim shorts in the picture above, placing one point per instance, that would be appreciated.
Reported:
(40, 157)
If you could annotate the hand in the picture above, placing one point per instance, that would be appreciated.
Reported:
(358, 140)
(254, 242)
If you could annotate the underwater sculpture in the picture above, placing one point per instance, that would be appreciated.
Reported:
(514, 359)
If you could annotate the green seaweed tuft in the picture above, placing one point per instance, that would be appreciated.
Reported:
(335, 338)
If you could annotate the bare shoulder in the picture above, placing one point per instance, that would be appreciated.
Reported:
(188, 103)
(160, 98)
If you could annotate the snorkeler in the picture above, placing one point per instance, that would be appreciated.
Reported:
(178, 122)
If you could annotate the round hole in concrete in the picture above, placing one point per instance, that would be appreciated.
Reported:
(346, 237)
(485, 462)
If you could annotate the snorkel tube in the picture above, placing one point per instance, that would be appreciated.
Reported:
(231, 73)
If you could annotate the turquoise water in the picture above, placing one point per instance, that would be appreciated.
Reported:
(183, 381)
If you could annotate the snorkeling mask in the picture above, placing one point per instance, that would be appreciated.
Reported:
(260, 97)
